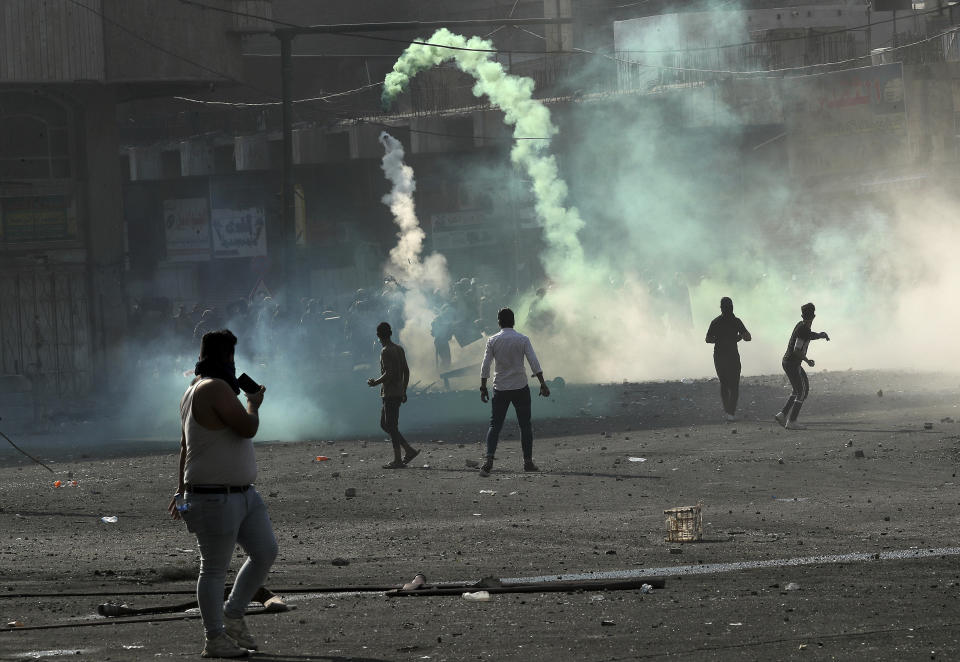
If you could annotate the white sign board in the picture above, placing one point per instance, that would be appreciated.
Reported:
(239, 232)
(186, 223)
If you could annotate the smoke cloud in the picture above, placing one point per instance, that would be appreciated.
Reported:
(420, 279)
(674, 203)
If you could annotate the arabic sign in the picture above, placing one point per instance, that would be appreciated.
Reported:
(463, 229)
(186, 223)
(41, 218)
(239, 232)
(846, 121)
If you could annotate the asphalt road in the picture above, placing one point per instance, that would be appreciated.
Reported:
(809, 550)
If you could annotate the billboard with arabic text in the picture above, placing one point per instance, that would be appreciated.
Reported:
(239, 232)
(846, 122)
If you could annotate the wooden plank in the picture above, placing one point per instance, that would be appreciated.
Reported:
(58, 47)
(77, 64)
(48, 70)
(12, 16)
(5, 12)
(34, 48)
(28, 60)
(17, 52)
(95, 62)
(50, 41)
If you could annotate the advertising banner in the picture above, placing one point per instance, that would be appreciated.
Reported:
(41, 218)
(463, 229)
(186, 223)
(846, 122)
(239, 232)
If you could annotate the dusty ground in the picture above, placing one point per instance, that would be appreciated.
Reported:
(769, 495)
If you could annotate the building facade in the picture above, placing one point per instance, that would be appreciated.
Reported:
(65, 69)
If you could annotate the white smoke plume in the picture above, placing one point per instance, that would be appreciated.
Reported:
(419, 278)
(406, 263)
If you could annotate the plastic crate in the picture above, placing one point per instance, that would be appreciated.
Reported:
(684, 523)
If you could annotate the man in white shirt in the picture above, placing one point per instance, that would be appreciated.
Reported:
(509, 348)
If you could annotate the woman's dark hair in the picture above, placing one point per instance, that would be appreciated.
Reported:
(505, 318)
(217, 345)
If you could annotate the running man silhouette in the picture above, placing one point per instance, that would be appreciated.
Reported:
(793, 360)
(724, 333)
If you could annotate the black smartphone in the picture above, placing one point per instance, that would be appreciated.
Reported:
(247, 384)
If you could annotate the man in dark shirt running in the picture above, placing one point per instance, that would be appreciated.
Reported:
(394, 377)
(793, 360)
(724, 333)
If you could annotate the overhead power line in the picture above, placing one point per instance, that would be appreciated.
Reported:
(163, 49)
(244, 104)
(234, 12)
(358, 35)
(773, 71)
(856, 28)
(328, 97)
(620, 60)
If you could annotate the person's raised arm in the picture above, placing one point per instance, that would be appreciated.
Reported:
(245, 422)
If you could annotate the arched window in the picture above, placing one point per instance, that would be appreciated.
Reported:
(34, 138)
(37, 169)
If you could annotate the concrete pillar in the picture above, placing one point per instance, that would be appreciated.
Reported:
(104, 227)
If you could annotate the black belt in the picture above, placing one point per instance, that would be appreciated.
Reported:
(216, 489)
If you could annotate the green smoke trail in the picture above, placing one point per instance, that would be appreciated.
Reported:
(564, 259)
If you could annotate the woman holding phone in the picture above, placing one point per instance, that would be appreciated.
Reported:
(216, 497)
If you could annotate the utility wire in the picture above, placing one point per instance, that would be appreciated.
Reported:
(26, 453)
(857, 28)
(242, 104)
(164, 50)
(445, 135)
(620, 60)
(327, 56)
(770, 71)
(244, 14)
(542, 53)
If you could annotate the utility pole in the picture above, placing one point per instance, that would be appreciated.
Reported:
(291, 275)
(293, 280)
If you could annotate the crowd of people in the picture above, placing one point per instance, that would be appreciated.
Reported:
(216, 496)
(335, 332)
(220, 505)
